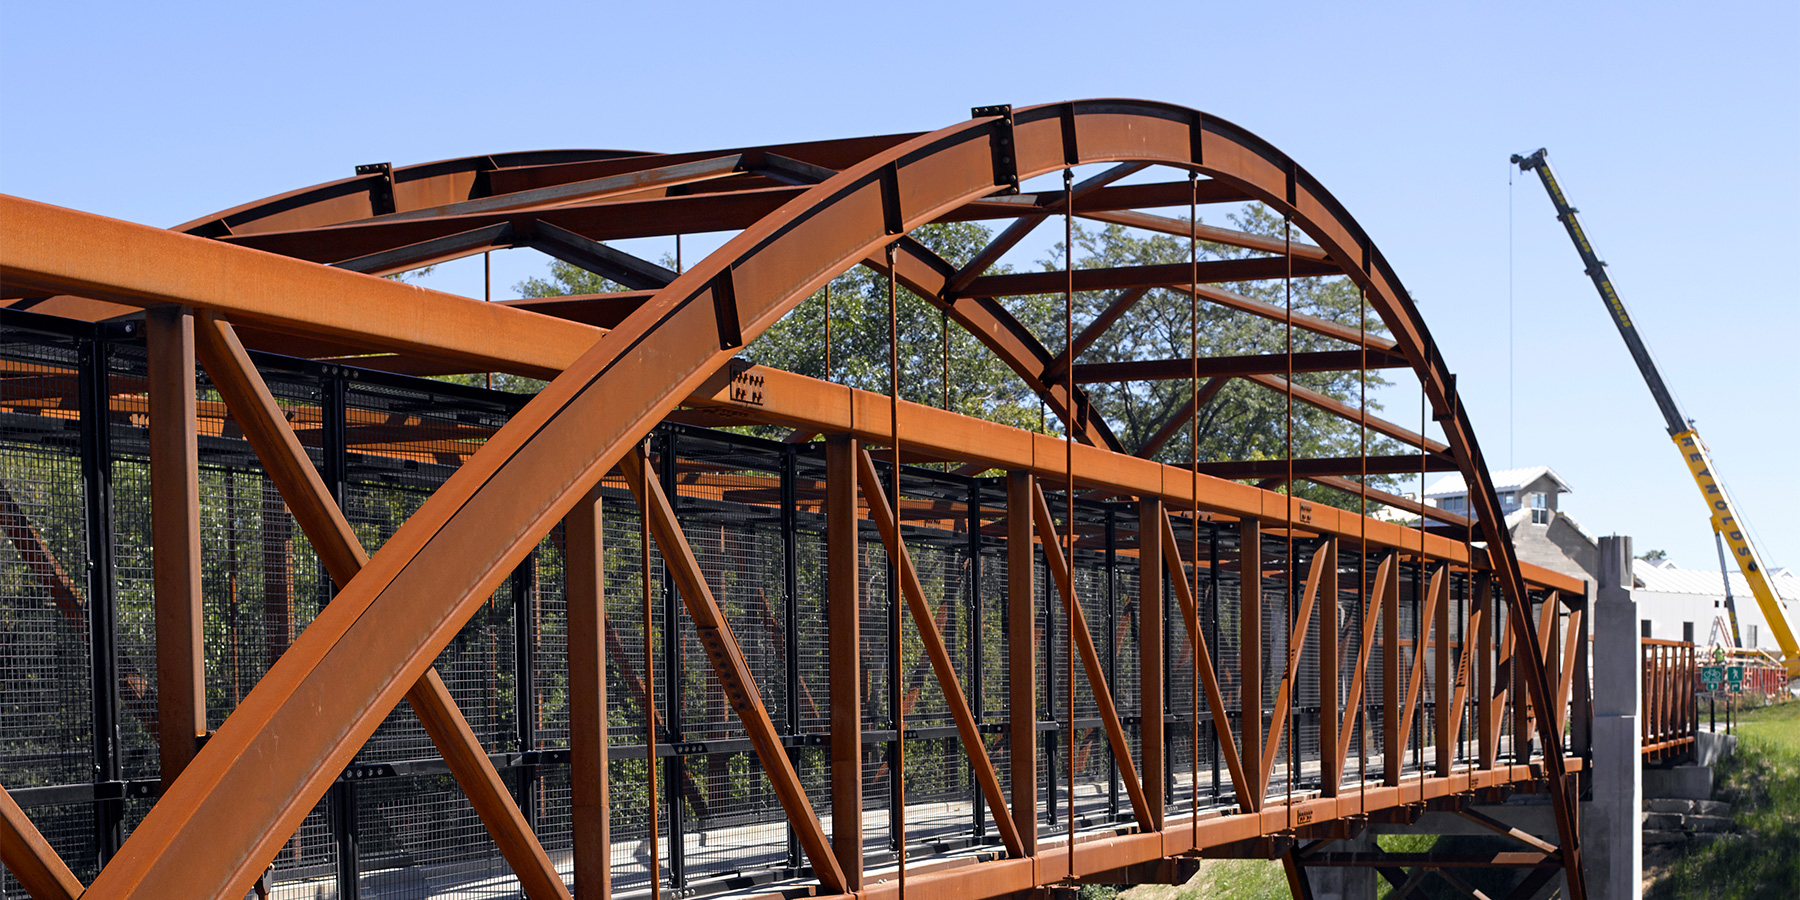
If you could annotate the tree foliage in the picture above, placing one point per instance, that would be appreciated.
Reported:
(942, 365)
(1245, 420)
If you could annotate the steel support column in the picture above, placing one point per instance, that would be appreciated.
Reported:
(843, 609)
(1022, 647)
(1150, 659)
(584, 542)
(175, 526)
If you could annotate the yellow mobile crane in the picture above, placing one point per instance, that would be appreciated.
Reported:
(1727, 525)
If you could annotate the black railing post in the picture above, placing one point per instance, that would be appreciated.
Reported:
(335, 472)
(342, 818)
(1112, 649)
(1147, 532)
(790, 586)
(977, 674)
(524, 590)
(1211, 629)
(1049, 694)
(96, 475)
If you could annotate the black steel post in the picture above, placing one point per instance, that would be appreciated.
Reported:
(976, 644)
(1112, 649)
(1049, 693)
(1146, 532)
(335, 438)
(1211, 629)
(96, 475)
(335, 472)
(342, 818)
(790, 587)
(524, 591)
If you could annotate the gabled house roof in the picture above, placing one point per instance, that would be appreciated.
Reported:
(1504, 480)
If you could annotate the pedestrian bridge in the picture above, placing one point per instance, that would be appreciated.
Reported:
(285, 615)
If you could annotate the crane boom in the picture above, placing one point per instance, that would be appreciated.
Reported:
(1726, 523)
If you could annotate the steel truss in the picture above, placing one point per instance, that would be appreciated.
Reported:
(1467, 635)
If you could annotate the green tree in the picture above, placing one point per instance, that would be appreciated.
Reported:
(1245, 420)
(942, 365)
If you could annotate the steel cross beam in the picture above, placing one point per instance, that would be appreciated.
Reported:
(732, 672)
(1250, 364)
(1395, 464)
(1016, 232)
(342, 554)
(1254, 268)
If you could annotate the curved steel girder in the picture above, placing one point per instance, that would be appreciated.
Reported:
(256, 779)
(354, 197)
(427, 185)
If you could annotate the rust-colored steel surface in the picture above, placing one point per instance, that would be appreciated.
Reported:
(1330, 662)
(1671, 673)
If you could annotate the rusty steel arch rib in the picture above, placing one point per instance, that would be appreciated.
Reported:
(273, 758)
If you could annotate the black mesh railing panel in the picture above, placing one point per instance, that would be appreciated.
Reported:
(418, 838)
(752, 513)
(45, 716)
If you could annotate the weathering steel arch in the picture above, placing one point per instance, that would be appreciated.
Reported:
(243, 794)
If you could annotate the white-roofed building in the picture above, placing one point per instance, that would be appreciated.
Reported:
(1676, 603)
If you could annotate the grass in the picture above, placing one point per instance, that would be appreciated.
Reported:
(1762, 783)
(1239, 879)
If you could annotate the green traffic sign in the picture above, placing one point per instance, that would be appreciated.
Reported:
(1711, 676)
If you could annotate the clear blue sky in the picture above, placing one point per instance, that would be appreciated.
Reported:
(1674, 126)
